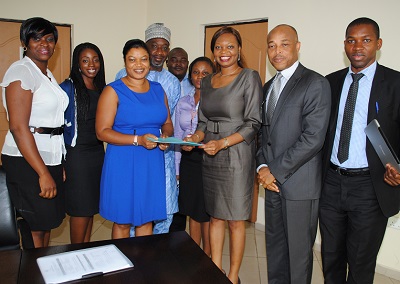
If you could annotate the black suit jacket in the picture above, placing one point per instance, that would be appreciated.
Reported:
(386, 92)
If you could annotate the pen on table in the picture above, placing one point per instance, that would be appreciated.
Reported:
(377, 107)
(93, 274)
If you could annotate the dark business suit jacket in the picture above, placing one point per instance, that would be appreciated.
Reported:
(385, 92)
(292, 145)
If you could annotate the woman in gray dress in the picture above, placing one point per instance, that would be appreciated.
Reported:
(229, 118)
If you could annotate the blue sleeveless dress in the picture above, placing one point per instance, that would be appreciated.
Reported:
(132, 189)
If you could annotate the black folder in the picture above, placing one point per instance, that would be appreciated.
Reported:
(381, 145)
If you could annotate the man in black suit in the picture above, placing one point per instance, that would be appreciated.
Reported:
(295, 115)
(359, 193)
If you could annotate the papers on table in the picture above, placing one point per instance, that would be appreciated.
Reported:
(174, 140)
(84, 263)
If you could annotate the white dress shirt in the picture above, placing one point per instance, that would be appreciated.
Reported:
(286, 75)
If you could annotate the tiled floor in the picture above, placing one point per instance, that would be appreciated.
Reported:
(254, 265)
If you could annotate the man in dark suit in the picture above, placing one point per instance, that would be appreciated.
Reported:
(295, 109)
(359, 193)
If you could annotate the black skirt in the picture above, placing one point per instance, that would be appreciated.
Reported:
(23, 186)
(191, 194)
(82, 185)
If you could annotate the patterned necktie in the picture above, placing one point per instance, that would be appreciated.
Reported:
(273, 97)
(347, 124)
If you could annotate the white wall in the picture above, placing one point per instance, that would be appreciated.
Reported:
(320, 23)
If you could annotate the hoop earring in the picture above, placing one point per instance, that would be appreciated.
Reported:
(24, 48)
(239, 57)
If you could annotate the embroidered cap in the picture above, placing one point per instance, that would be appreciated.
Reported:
(157, 30)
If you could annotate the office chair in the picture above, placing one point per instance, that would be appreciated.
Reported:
(9, 237)
(10, 228)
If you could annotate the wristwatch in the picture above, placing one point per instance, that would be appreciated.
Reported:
(135, 142)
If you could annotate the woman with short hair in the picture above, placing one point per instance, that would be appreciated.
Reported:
(34, 145)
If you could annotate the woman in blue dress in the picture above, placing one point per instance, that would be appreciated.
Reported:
(130, 111)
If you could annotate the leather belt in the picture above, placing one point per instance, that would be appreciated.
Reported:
(222, 126)
(350, 172)
(47, 130)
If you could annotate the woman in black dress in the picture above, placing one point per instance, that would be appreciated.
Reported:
(191, 194)
(85, 153)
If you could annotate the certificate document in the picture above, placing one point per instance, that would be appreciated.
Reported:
(84, 263)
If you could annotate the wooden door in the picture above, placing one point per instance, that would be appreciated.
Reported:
(11, 51)
(254, 50)
(254, 43)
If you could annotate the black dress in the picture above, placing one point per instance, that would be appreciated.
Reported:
(83, 167)
(191, 194)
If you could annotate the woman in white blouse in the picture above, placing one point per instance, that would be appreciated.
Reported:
(34, 145)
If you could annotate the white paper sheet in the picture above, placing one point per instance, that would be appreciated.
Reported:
(72, 265)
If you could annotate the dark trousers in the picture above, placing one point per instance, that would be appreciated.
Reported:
(352, 227)
(290, 230)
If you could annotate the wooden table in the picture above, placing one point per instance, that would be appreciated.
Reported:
(9, 266)
(166, 258)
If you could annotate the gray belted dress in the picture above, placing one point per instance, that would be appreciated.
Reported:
(228, 177)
